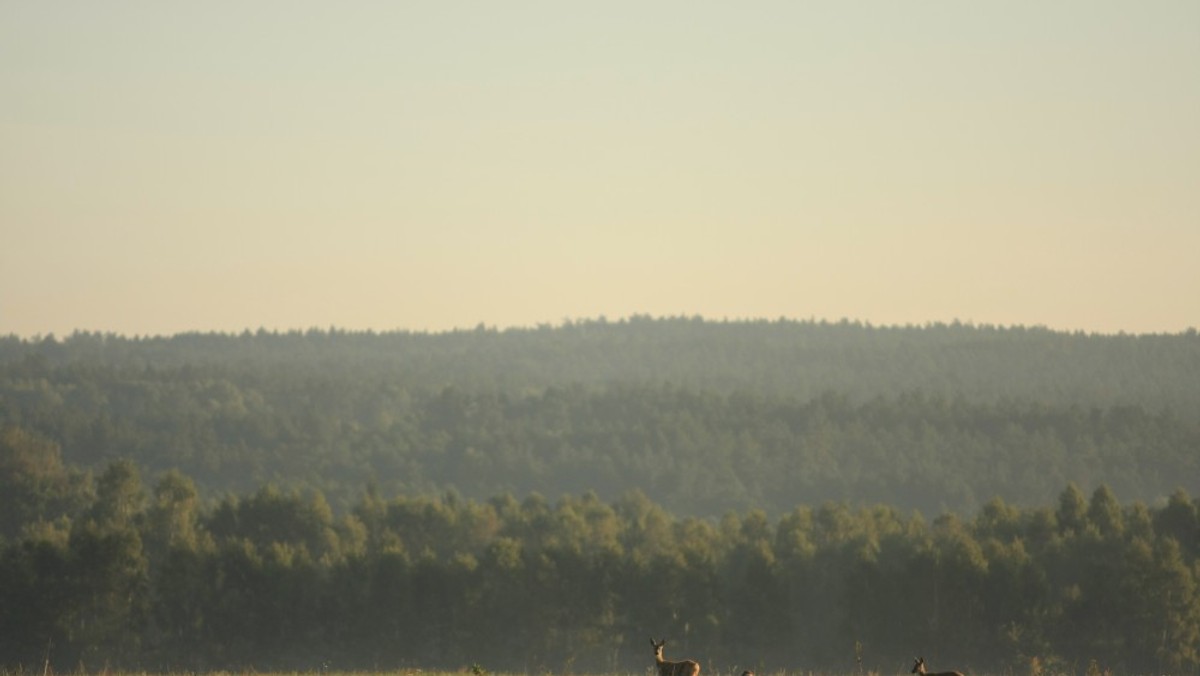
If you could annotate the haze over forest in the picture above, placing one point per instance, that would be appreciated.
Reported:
(705, 416)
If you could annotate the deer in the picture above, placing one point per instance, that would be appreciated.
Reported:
(919, 668)
(665, 668)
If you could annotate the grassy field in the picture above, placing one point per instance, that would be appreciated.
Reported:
(466, 672)
(1035, 668)
(469, 671)
(462, 672)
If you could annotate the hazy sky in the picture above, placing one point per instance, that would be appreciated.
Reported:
(220, 166)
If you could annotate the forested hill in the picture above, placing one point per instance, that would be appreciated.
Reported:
(704, 416)
(800, 359)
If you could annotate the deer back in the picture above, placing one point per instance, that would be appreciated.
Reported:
(680, 668)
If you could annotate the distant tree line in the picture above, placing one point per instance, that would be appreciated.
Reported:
(706, 417)
(799, 359)
(105, 573)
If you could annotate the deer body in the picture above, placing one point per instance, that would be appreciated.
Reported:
(919, 668)
(665, 668)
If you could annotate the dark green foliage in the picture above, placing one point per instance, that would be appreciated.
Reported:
(34, 483)
(272, 581)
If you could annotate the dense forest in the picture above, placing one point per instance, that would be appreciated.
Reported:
(103, 573)
(704, 416)
(794, 495)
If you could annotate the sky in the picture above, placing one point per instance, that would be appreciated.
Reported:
(429, 165)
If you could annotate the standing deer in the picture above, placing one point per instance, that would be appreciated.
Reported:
(919, 668)
(665, 668)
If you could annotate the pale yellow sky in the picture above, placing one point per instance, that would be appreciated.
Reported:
(220, 166)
